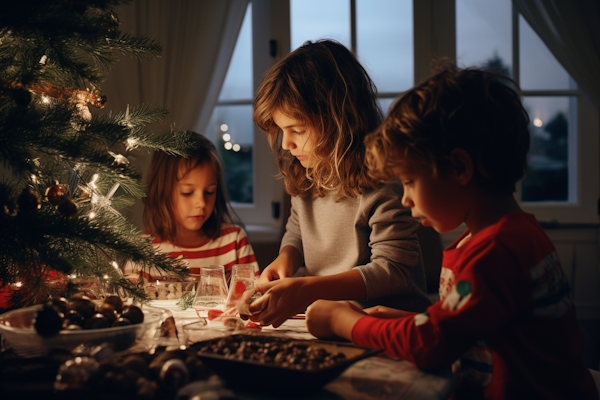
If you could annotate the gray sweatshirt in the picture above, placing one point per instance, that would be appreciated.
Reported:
(373, 233)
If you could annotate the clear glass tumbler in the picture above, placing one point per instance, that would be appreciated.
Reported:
(211, 292)
(243, 278)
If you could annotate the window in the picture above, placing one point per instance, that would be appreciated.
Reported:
(380, 33)
(396, 41)
(230, 126)
(495, 36)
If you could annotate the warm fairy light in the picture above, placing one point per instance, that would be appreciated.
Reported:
(157, 283)
(93, 181)
(226, 137)
(537, 122)
(45, 99)
(119, 158)
(92, 215)
(224, 128)
(114, 264)
(131, 144)
(34, 179)
(236, 147)
(105, 276)
(18, 284)
(228, 146)
(43, 59)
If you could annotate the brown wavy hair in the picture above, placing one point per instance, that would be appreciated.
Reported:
(473, 109)
(160, 218)
(323, 85)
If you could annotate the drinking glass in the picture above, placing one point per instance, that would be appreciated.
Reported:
(243, 278)
(211, 292)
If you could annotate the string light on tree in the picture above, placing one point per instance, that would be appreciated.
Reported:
(119, 158)
(47, 91)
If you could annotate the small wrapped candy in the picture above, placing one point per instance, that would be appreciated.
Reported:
(73, 374)
(174, 374)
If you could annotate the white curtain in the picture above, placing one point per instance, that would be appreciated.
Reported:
(198, 38)
(571, 31)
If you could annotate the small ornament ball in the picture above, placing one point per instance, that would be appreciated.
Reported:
(22, 97)
(68, 208)
(28, 201)
(55, 193)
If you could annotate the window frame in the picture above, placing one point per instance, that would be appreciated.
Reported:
(434, 37)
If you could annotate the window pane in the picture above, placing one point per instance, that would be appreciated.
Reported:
(231, 129)
(551, 169)
(539, 68)
(238, 81)
(318, 19)
(385, 42)
(483, 34)
(385, 104)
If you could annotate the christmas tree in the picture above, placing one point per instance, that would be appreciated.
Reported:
(65, 167)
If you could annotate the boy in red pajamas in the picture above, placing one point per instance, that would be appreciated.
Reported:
(505, 320)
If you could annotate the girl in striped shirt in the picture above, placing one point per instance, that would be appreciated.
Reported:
(187, 215)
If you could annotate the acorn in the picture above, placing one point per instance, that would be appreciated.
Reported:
(73, 317)
(116, 302)
(83, 305)
(48, 321)
(122, 322)
(60, 303)
(97, 321)
(109, 312)
(134, 314)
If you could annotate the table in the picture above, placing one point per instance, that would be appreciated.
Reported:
(374, 378)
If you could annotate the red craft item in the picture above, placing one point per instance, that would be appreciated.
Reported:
(239, 288)
(212, 314)
(252, 325)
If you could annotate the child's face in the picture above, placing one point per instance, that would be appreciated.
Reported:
(194, 200)
(296, 138)
(436, 201)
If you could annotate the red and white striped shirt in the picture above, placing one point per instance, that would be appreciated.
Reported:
(230, 248)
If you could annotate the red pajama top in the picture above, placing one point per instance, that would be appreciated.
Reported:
(231, 247)
(505, 320)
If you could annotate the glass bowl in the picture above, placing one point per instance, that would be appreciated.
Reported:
(16, 328)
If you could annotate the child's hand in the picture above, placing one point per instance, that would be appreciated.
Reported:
(330, 319)
(281, 300)
(278, 269)
(386, 312)
(284, 266)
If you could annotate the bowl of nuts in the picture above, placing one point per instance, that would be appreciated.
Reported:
(265, 362)
(34, 331)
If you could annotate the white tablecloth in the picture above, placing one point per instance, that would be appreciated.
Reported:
(377, 377)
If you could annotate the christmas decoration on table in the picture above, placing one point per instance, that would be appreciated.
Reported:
(66, 172)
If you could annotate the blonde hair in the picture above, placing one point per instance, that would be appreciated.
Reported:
(323, 85)
(160, 218)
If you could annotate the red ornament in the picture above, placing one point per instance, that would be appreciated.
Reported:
(55, 193)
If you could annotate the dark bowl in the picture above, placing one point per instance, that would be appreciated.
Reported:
(251, 375)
